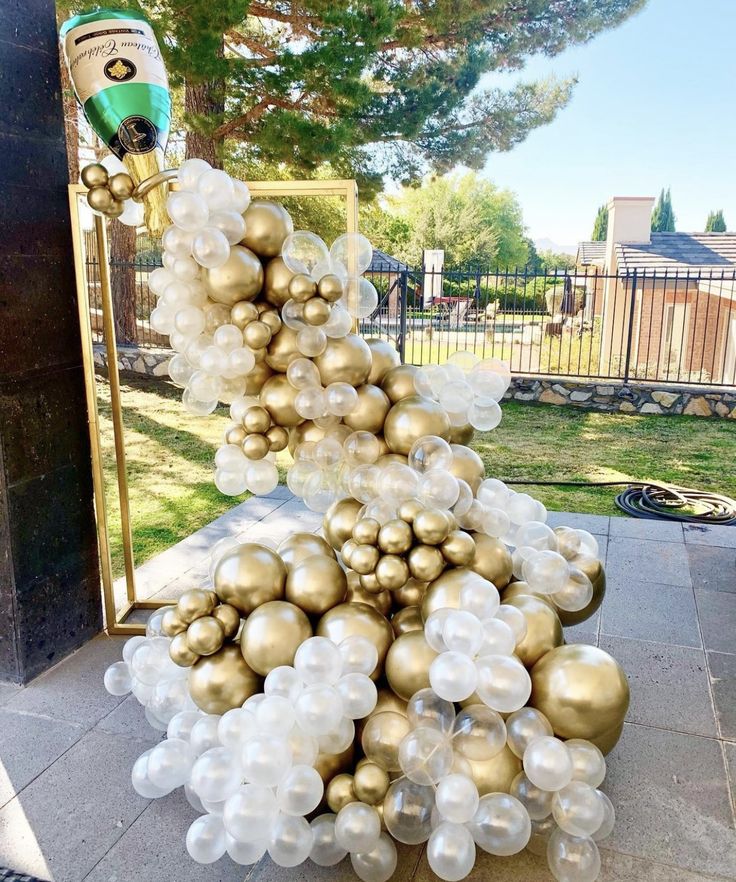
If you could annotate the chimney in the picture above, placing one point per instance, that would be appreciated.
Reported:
(629, 221)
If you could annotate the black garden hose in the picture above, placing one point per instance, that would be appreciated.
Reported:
(649, 499)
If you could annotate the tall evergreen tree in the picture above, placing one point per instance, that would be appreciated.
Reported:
(600, 226)
(663, 217)
(716, 222)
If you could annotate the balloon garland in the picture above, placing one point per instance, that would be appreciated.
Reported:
(403, 678)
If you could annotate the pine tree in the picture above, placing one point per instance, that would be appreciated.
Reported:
(663, 217)
(600, 227)
(715, 222)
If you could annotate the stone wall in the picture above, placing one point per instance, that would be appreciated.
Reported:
(151, 362)
(633, 398)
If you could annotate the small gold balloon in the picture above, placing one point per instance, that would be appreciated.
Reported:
(302, 287)
(395, 537)
(412, 418)
(243, 313)
(385, 357)
(409, 509)
(370, 583)
(370, 783)
(267, 224)
(276, 282)
(205, 635)
(348, 619)
(235, 435)
(194, 603)
(316, 584)
(357, 594)
(593, 569)
(278, 438)
(229, 619)
(363, 558)
(426, 563)
(366, 530)
(407, 619)
(223, 681)
(340, 792)
(407, 663)
(431, 526)
(282, 350)
(248, 576)
(492, 560)
(345, 360)
(330, 287)
(256, 378)
(100, 199)
(272, 633)
(121, 185)
(299, 546)
(382, 735)
(256, 446)
(543, 628)
(180, 651)
(398, 382)
(278, 397)
(346, 552)
(461, 434)
(257, 419)
(444, 592)
(172, 623)
(458, 549)
(272, 320)
(370, 412)
(496, 774)
(392, 572)
(239, 278)
(339, 519)
(412, 593)
(316, 311)
(466, 464)
(94, 175)
(257, 335)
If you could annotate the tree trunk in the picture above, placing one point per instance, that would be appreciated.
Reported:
(122, 281)
(71, 121)
(203, 101)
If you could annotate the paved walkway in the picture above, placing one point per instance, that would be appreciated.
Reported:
(68, 812)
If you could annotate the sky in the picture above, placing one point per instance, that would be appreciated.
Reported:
(655, 106)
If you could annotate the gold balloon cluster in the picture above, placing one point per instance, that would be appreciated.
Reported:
(107, 193)
(258, 436)
(316, 298)
(199, 625)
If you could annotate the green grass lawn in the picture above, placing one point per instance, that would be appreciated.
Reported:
(170, 455)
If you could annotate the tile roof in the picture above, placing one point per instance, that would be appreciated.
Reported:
(384, 263)
(676, 252)
(591, 253)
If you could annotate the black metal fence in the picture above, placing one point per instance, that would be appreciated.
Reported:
(671, 326)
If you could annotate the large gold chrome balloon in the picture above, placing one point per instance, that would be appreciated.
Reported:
(278, 396)
(239, 278)
(407, 619)
(345, 360)
(466, 464)
(276, 281)
(272, 634)
(413, 418)
(407, 664)
(220, 682)
(282, 350)
(348, 619)
(248, 576)
(316, 584)
(398, 382)
(256, 378)
(382, 735)
(593, 569)
(582, 690)
(370, 412)
(299, 546)
(385, 357)
(608, 740)
(496, 774)
(444, 592)
(267, 224)
(356, 593)
(339, 520)
(461, 434)
(543, 627)
(492, 560)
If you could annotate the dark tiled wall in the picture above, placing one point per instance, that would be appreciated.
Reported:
(49, 582)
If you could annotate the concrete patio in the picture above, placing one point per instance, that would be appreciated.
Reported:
(68, 812)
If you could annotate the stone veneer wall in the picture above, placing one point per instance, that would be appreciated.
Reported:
(151, 362)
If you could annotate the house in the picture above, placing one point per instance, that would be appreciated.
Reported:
(667, 301)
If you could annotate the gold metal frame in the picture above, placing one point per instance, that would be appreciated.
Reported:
(116, 621)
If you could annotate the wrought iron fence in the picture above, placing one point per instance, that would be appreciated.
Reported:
(661, 325)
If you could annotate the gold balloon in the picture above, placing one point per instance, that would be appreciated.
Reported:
(278, 396)
(205, 635)
(392, 572)
(409, 509)
(172, 623)
(357, 594)
(121, 185)
(361, 558)
(229, 619)
(257, 419)
(180, 652)
(496, 774)
(220, 682)
(339, 519)
(407, 619)
(492, 560)
(316, 311)
(426, 563)
(306, 431)
(385, 357)
(299, 546)
(330, 764)
(382, 735)
(282, 350)
(389, 701)
(94, 175)
(407, 664)
(370, 412)
(395, 537)
(302, 288)
(248, 576)
(278, 438)
(461, 434)
(243, 313)
(431, 526)
(340, 792)
(444, 592)
(466, 464)
(593, 569)
(316, 584)
(235, 435)
(256, 378)
(276, 282)
(412, 593)
(458, 549)
(582, 690)
(330, 287)
(256, 446)
(272, 634)
(347, 619)
(272, 319)
(516, 589)
(345, 360)
(608, 740)
(366, 530)
(543, 628)
(370, 783)
(195, 603)
(398, 382)
(267, 224)
(370, 583)
(346, 552)
(413, 418)
(239, 278)
(257, 335)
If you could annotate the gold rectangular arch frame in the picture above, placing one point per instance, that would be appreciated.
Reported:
(116, 620)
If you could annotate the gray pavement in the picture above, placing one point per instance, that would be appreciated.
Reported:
(68, 812)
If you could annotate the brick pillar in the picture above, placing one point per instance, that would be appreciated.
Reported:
(49, 580)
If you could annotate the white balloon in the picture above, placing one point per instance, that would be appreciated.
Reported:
(547, 763)
(457, 798)
(216, 775)
(249, 814)
(291, 841)
(357, 827)
(325, 850)
(206, 839)
(170, 763)
(377, 865)
(453, 676)
(300, 791)
(451, 852)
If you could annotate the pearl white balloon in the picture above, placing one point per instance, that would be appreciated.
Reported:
(357, 827)
(117, 679)
(578, 809)
(245, 853)
(142, 784)
(206, 839)
(377, 865)
(299, 791)
(501, 826)
(359, 695)
(216, 775)
(290, 841)
(573, 858)
(451, 852)
(462, 632)
(266, 759)
(210, 248)
(318, 709)
(457, 798)
(235, 727)
(188, 211)
(503, 682)
(547, 763)
(204, 734)
(359, 655)
(523, 726)
(170, 763)
(588, 763)
(318, 660)
(453, 676)
(325, 850)
(250, 813)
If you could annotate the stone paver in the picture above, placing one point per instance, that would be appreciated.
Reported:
(650, 611)
(717, 614)
(713, 569)
(643, 528)
(696, 534)
(723, 677)
(596, 524)
(647, 560)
